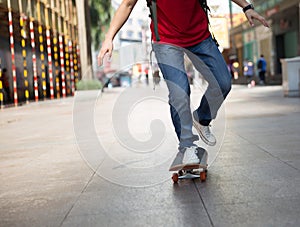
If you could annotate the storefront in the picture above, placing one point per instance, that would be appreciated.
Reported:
(285, 28)
(264, 38)
(279, 41)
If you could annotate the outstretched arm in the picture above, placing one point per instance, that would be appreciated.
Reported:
(117, 22)
(251, 14)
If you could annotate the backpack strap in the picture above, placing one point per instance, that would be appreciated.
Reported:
(206, 9)
(153, 14)
(204, 5)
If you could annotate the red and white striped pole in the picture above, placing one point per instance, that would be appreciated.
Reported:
(78, 61)
(56, 64)
(75, 60)
(62, 65)
(42, 58)
(67, 67)
(50, 68)
(1, 89)
(12, 50)
(71, 67)
(35, 77)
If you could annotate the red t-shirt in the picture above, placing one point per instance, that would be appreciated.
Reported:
(181, 22)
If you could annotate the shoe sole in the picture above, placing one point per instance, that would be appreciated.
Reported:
(183, 165)
(188, 167)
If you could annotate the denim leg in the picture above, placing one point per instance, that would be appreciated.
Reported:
(208, 60)
(171, 62)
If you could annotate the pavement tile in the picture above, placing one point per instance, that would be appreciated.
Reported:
(107, 195)
(191, 215)
(116, 205)
(53, 172)
(223, 188)
(275, 212)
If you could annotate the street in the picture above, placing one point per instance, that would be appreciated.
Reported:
(102, 160)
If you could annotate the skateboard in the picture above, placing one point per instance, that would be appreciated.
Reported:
(184, 171)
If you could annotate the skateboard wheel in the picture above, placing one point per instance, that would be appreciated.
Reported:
(180, 172)
(203, 176)
(175, 177)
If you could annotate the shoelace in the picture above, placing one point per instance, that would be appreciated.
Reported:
(207, 130)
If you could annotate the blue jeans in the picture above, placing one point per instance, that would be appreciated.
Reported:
(208, 60)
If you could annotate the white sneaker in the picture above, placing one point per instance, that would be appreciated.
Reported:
(190, 156)
(205, 133)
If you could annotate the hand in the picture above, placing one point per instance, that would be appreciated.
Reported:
(106, 48)
(252, 14)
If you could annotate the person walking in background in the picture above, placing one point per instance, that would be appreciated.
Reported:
(262, 68)
(5, 84)
(183, 28)
(248, 70)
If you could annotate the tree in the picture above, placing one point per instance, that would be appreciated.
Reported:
(84, 38)
(100, 11)
(93, 21)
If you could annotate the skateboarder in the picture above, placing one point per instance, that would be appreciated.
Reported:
(182, 27)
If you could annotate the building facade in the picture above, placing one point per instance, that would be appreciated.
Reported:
(280, 41)
(132, 43)
(39, 52)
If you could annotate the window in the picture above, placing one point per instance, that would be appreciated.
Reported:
(50, 17)
(61, 25)
(140, 35)
(56, 21)
(24, 7)
(42, 13)
(62, 7)
(3, 2)
(67, 10)
(129, 34)
(14, 5)
(140, 22)
(33, 9)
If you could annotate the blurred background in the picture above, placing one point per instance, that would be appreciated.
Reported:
(48, 48)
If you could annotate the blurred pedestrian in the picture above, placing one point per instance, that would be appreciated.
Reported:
(5, 84)
(182, 27)
(147, 75)
(248, 70)
(156, 77)
(262, 68)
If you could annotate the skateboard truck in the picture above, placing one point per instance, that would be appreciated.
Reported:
(186, 173)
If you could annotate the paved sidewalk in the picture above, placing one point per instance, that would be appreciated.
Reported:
(102, 160)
